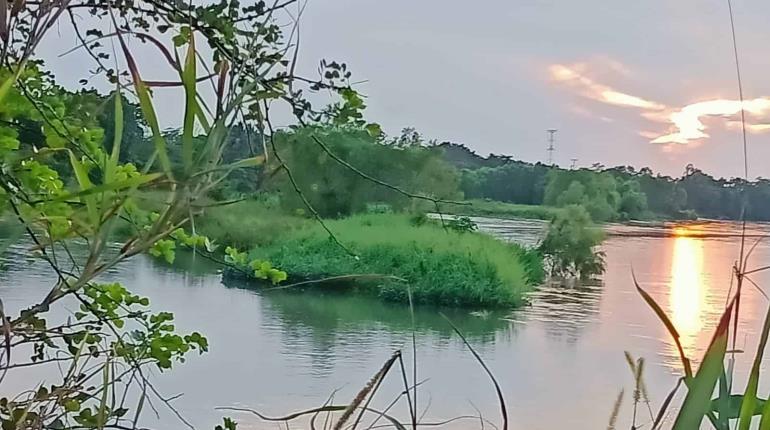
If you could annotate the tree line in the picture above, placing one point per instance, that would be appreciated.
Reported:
(622, 192)
(442, 170)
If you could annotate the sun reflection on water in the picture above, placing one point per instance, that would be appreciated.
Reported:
(687, 290)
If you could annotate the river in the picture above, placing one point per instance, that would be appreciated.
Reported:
(560, 362)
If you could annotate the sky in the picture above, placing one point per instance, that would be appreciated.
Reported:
(612, 77)
(650, 83)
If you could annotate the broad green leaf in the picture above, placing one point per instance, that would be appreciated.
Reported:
(734, 404)
(750, 397)
(697, 402)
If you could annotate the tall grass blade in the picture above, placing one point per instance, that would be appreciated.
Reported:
(7, 335)
(697, 402)
(615, 411)
(224, 68)
(117, 138)
(722, 401)
(189, 73)
(81, 174)
(414, 356)
(101, 418)
(364, 393)
(145, 104)
(664, 407)
(750, 396)
(669, 326)
(499, 391)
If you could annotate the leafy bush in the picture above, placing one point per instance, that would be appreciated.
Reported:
(605, 197)
(570, 244)
(334, 190)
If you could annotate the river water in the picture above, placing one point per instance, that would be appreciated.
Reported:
(560, 362)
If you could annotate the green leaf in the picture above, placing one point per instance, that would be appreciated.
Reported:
(733, 407)
(374, 129)
(71, 405)
(697, 402)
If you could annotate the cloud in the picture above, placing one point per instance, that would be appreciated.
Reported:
(686, 122)
(688, 119)
(589, 88)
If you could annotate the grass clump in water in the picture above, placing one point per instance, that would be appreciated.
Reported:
(441, 267)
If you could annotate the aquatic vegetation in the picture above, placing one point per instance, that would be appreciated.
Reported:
(438, 266)
(570, 245)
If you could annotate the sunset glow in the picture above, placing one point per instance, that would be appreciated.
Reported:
(686, 123)
(687, 288)
(589, 88)
(688, 119)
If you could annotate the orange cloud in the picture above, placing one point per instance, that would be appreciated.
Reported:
(596, 91)
(686, 122)
(688, 119)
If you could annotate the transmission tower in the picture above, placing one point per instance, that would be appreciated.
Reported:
(551, 133)
(574, 163)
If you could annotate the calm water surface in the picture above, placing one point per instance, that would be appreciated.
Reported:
(559, 361)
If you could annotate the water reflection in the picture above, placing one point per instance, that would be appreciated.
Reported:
(322, 312)
(688, 289)
(563, 311)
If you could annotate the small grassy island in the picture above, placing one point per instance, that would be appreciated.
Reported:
(440, 267)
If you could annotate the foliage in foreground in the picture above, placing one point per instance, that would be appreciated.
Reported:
(440, 267)
(67, 187)
(712, 395)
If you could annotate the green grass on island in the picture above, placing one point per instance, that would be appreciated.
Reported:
(440, 267)
(495, 209)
